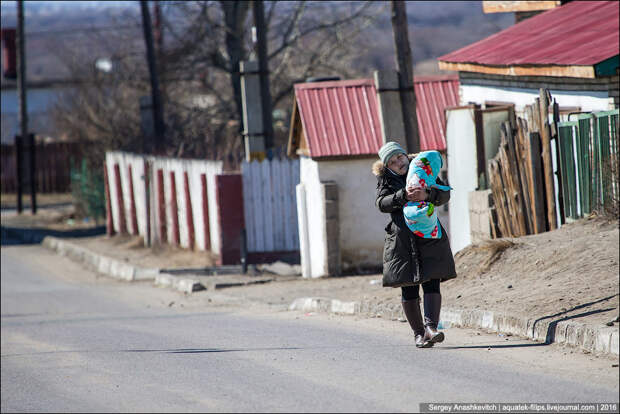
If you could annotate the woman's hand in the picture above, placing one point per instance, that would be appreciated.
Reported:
(418, 194)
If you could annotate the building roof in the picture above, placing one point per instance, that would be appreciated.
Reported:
(433, 95)
(341, 118)
(578, 39)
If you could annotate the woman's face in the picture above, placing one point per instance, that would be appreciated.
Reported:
(398, 163)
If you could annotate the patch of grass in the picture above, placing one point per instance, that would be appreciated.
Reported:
(489, 251)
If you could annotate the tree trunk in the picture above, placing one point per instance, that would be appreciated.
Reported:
(404, 67)
(235, 13)
(263, 68)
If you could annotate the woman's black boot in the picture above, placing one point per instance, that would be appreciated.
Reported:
(432, 307)
(412, 311)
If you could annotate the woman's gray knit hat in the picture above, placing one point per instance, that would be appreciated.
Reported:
(389, 149)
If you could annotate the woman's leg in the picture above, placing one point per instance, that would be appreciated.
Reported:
(410, 292)
(411, 308)
(432, 308)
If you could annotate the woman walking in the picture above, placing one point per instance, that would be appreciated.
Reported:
(409, 260)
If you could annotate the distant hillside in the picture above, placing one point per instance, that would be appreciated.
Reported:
(435, 28)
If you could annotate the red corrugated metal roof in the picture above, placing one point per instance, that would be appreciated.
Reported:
(433, 95)
(577, 33)
(341, 118)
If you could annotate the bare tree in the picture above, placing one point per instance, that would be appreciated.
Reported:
(199, 72)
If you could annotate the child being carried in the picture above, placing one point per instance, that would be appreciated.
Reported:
(420, 216)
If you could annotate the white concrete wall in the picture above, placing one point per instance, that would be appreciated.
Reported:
(361, 224)
(194, 169)
(462, 173)
(586, 100)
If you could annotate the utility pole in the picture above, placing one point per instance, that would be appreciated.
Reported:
(158, 35)
(404, 67)
(23, 111)
(263, 73)
(158, 118)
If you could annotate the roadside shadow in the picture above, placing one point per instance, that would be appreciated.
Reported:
(10, 236)
(209, 350)
(552, 325)
(550, 337)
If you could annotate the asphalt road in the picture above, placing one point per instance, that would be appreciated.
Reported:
(73, 341)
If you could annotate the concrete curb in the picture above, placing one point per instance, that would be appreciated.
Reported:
(599, 340)
(181, 284)
(118, 269)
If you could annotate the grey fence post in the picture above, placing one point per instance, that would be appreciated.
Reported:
(332, 227)
(253, 128)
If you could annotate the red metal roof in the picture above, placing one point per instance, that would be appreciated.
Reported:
(341, 118)
(433, 95)
(577, 33)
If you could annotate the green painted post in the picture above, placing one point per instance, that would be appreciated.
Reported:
(567, 167)
(584, 164)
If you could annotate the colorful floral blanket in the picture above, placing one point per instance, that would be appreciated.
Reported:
(420, 216)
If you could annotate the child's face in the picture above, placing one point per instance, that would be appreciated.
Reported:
(398, 163)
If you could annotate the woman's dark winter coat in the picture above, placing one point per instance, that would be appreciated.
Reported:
(408, 259)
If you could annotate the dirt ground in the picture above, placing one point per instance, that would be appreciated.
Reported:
(131, 249)
(573, 270)
(59, 215)
(10, 200)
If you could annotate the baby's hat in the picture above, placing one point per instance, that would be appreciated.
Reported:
(426, 165)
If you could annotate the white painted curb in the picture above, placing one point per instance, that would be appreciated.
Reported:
(177, 283)
(99, 263)
(118, 269)
(599, 340)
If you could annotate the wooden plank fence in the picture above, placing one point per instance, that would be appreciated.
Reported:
(521, 176)
(270, 206)
(53, 167)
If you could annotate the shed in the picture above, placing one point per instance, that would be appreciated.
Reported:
(336, 131)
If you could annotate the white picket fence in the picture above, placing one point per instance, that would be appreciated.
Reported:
(270, 205)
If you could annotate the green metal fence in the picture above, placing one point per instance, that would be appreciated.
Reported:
(588, 163)
(88, 190)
